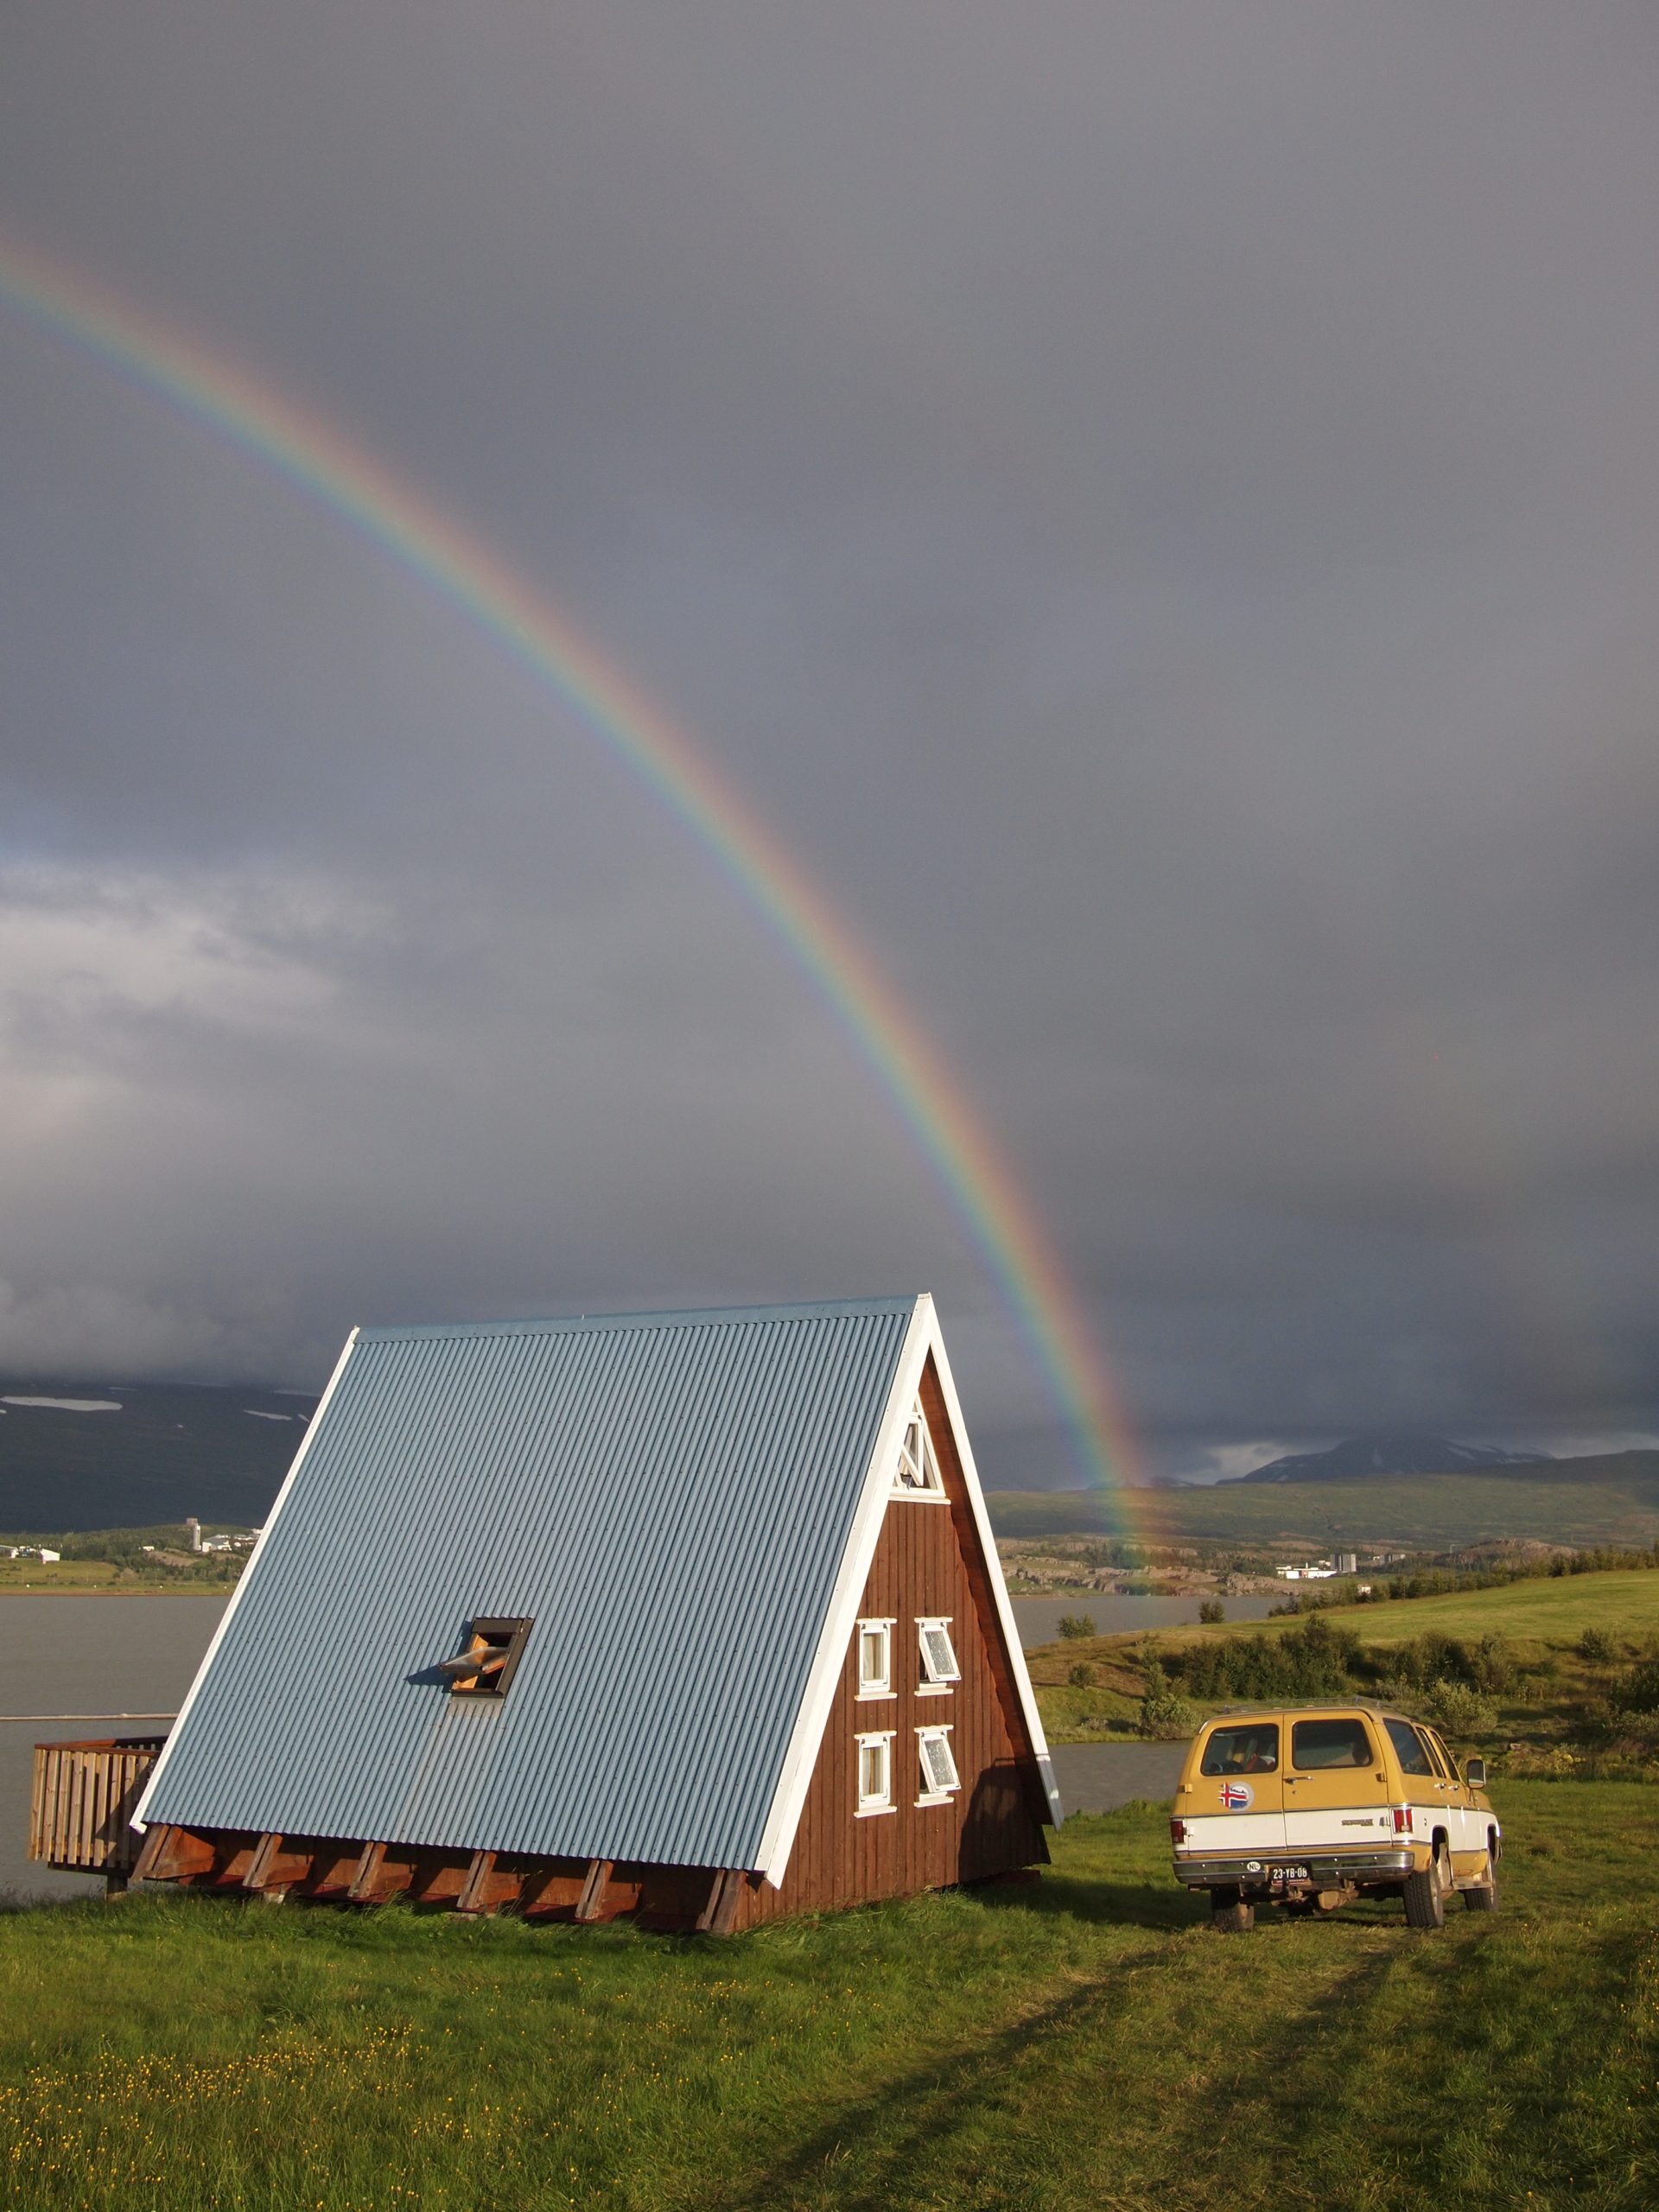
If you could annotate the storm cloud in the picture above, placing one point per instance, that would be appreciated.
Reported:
(1158, 507)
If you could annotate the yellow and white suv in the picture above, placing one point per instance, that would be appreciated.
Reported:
(1314, 1805)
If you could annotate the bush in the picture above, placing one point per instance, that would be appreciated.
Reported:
(1082, 1676)
(1597, 1648)
(1315, 1661)
(1459, 1709)
(1165, 1715)
(1211, 1612)
(1637, 1691)
(1076, 1625)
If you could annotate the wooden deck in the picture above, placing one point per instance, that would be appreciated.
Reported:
(81, 1805)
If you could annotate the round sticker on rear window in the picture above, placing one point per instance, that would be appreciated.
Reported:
(1237, 1796)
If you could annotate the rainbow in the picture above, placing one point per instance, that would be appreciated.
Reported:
(339, 474)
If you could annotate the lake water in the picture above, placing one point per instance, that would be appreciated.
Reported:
(75, 1666)
(100, 1666)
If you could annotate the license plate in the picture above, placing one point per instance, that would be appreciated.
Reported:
(1287, 1873)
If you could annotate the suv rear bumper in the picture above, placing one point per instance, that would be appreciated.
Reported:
(1314, 1869)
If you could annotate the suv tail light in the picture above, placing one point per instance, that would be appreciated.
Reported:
(1403, 1820)
(1178, 1831)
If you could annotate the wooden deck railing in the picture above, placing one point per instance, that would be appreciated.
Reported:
(82, 1804)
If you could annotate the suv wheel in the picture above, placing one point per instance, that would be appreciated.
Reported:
(1483, 1897)
(1425, 1898)
(1230, 1914)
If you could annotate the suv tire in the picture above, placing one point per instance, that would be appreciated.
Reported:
(1425, 1899)
(1229, 1913)
(1483, 1897)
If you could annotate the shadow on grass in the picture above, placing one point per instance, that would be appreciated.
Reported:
(920, 2136)
(1100, 1902)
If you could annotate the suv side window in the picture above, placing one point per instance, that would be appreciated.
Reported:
(1445, 1756)
(1315, 1745)
(1432, 1749)
(1254, 1750)
(1409, 1747)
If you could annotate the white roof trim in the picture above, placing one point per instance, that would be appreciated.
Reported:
(242, 1581)
(993, 1571)
(841, 1617)
(789, 1801)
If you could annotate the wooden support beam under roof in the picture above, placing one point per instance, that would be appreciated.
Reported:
(721, 1910)
(591, 1903)
(368, 1871)
(259, 1867)
(478, 1874)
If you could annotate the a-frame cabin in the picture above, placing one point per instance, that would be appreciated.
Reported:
(695, 1616)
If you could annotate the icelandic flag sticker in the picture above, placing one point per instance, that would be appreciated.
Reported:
(1237, 1796)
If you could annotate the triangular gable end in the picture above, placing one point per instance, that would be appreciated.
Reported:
(923, 1356)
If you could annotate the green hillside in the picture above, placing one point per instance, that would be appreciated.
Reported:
(1549, 1609)
(219, 1452)
(1616, 1505)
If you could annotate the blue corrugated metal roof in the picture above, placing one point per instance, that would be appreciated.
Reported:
(669, 1496)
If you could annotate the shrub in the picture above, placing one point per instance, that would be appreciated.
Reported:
(1167, 1716)
(1076, 1625)
(1082, 1676)
(1596, 1648)
(1211, 1612)
(1638, 1690)
(1460, 1709)
(1314, 1661)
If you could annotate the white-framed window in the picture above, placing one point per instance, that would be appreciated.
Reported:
(875, 1658)
(939, 1777)
(875, 1774)
(939, 1667)
(917, 1474)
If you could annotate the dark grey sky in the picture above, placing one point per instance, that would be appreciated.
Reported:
(1156, 505)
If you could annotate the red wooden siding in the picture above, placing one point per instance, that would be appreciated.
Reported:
(928, 1561)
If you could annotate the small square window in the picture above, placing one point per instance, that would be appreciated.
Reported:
(875, 1773)
(875, 1658)
(939, 1666)
(495, 1643)
(939, 1776)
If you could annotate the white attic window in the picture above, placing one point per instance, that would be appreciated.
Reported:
(875, 1774)
(940, 1780)
(939, 1666)
(918, 1472)
(875, 1658)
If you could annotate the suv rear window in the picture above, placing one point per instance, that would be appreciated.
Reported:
(1254, 1750)
(1316, 1743)
(1413, 1753)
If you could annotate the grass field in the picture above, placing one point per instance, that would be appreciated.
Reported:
(1431, 1512)
(1550, 1609)
(1084, 2042)
(1539, 1621)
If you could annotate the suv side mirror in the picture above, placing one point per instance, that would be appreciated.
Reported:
(1475, 1773)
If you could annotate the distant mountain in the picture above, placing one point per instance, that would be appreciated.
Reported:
(129, 1455)
(1361, 1456)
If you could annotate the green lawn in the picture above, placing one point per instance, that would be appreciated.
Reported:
(1082, 2042)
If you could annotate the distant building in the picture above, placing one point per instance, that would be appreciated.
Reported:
(1347, 1562)
(193, 1529)
(695, 1618)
